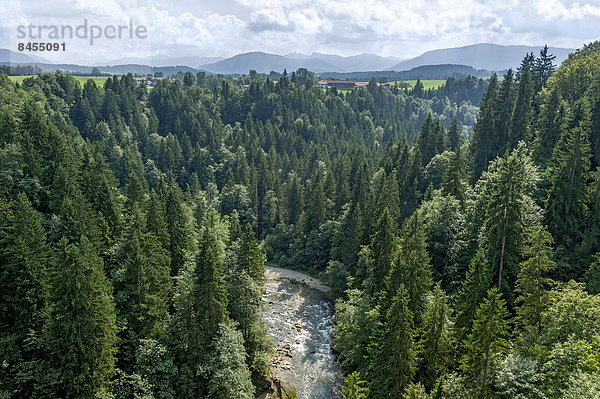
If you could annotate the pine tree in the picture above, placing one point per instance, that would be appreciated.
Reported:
(295, 200)
(250, 258)
(435, 338)
(486, 342)
(393, 355)
(566, 208)
(454, 181)
(505, 107)
(454, 135)
(550, 124)
(81, 332)
(24, 257)
(484, 143)
(532, 282)
(472, 292)
(146, 286)
(353, 387)
(177, 228)
(412, 266)
(210, 296)
(523, 111)
(543, 68)
(504, 224)
(383, 247)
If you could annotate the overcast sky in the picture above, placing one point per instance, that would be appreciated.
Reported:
(346, 27)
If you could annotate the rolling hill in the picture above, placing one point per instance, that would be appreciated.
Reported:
(480, 56)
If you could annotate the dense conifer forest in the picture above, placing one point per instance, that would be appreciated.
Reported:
(458, 229)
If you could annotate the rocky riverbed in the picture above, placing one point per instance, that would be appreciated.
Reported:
(299, 316)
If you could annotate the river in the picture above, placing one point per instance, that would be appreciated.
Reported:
(299, 316)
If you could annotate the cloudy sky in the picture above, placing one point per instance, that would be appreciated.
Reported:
(347, 27)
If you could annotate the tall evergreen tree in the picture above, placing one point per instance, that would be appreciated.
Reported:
(177, 228)
(532, 282)
(435, 338)
(454, 135)
(483, 143)
(486, 342)
(472, 292)
(520, 128)
(23, 294)
(412, 267)
(383, 247)
(145, 288)
(454, 181)
(209, 287)
(81, 331)
(393, 354)
(550, 124)
(566, 205)
(504, 224)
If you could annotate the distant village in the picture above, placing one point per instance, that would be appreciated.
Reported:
(347, 84)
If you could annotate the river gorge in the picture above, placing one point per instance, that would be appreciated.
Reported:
(299, 317)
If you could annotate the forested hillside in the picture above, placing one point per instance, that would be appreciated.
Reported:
(461, 244)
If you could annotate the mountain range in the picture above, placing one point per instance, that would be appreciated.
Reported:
(483, 56)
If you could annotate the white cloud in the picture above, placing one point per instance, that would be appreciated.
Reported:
(388, 27)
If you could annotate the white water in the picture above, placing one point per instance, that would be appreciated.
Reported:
(299, 319)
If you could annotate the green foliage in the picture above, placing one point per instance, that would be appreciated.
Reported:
(154, 364)
(505, 217)
(435, 335)
(518, 377)
(321, 180)
(472, 292)
(566, 205)
(393, 355)
(229, 375)
(81, 331)
(532, 284)
(412, 267)
(354, 328)
(23, 292)
(353, 387)
(486, 343)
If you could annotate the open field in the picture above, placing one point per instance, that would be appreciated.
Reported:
(81, 79)
(427, 83)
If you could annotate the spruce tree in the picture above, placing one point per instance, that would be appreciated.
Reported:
(484, 143)
(504, 224)
(532, 283)
(383, 247)
(393, 353)
(566, 204)
(549, 130)
(454, 181)
(250, 258)
(520, 128)
(24, 257)
(210, 297)
(81, 331)
(505, 107)
(412, 267)
(454, 135)
(145, 288)
(177, 228)
(472, 292)
(435, 338)
(486, 343)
